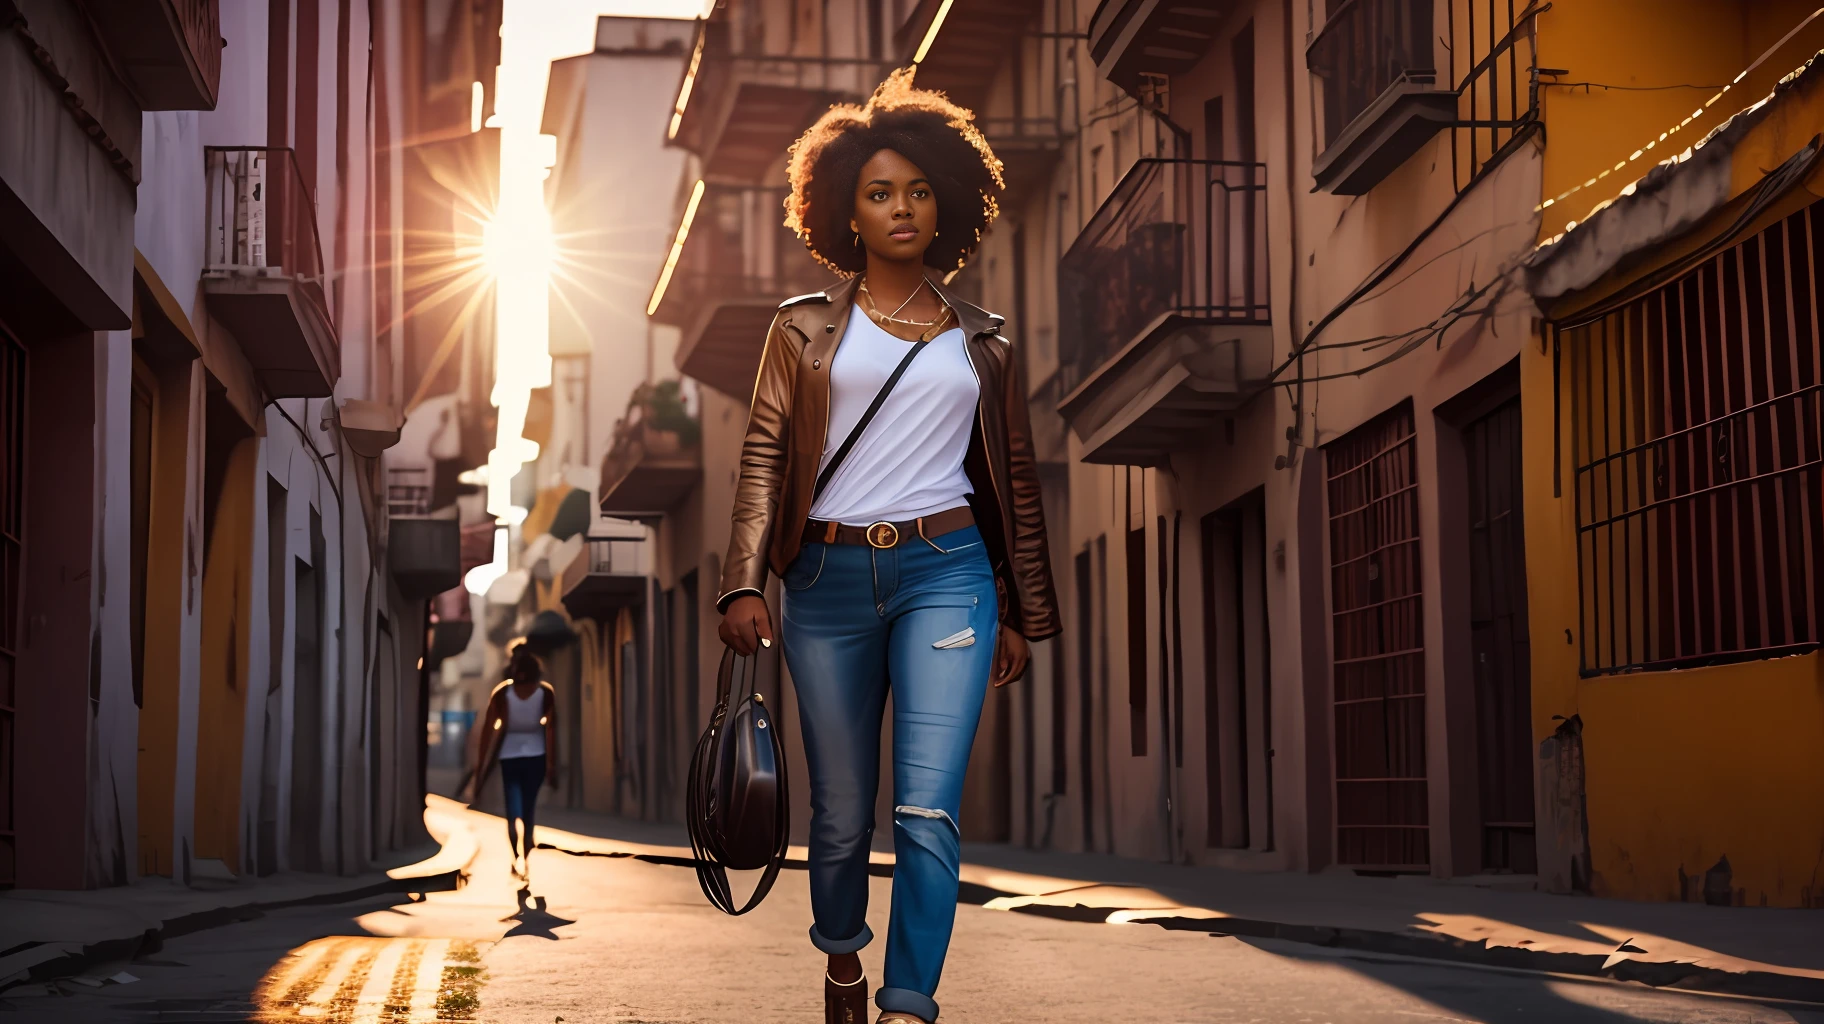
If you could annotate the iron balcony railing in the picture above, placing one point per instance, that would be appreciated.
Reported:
(1176, 237)
(262, 217)
(737, 248)
(618, 556)
(408, 491)
(1365, 48)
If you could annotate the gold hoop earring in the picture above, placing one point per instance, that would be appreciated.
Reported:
(856, 241)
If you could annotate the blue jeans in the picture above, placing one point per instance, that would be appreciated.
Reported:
(922, 618)
(520, 778)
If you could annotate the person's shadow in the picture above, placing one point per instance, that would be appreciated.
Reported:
(533, 919)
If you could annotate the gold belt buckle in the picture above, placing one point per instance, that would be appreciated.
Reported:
(883, 535)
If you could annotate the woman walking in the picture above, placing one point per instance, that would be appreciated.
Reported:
(519, 730)
(887, 477)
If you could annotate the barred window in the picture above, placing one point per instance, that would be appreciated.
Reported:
(1695, 432)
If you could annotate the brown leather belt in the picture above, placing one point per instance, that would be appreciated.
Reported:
(889, 535)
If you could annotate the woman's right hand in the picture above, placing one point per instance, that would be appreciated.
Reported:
(747, 625)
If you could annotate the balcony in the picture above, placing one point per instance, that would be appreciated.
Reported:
(1028, 145)
(738, 263)
(1164, 309)
(1381, 101)
(608, 573)
(1130, 39)
(971, 46)
(424, 551)
(169, 52)
(656, 458)
(739, 107)
(263, 270)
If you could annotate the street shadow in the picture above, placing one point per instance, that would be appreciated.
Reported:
(1501, 997)
(533, 919)
(1784, 937)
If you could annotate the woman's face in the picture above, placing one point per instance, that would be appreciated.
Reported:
(895, 210)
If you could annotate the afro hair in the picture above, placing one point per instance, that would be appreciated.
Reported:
(919, 124)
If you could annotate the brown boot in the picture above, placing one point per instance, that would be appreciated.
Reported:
(845, 1004)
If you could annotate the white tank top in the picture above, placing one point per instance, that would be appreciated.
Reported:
(909, 462)
(524, 729)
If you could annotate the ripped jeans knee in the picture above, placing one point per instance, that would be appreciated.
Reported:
(930, 830)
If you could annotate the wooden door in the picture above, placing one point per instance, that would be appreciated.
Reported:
(1499, 641)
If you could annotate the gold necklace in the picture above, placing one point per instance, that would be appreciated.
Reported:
(873, 310)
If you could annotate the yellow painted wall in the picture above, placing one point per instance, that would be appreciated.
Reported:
(222, 703)
(1647, 46)
(1681, 768)
(165, 600)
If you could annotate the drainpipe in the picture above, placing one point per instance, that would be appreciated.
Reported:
(1298, 401)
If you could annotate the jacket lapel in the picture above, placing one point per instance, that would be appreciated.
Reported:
(823, 324)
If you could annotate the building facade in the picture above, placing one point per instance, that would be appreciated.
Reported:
(224, 625)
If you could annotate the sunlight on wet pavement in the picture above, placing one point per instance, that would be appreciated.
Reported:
(369, 980)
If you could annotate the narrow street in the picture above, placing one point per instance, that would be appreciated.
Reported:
(615, 939)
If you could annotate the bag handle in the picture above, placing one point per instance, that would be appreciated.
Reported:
(712, 877)
(829, 471)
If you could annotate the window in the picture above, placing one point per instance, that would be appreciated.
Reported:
(1695, 432)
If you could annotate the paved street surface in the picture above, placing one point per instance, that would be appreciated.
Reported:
(606, 939)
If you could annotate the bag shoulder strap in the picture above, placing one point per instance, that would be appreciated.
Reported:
(829, 471)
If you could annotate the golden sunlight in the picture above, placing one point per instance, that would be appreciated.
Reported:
(517, 246)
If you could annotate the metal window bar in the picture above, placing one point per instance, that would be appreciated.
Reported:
(1493, 54)
(1367, 47)
(1175, 237)
(1377, 633)
(1697, 426)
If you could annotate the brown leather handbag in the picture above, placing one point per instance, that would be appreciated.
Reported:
(737, 803)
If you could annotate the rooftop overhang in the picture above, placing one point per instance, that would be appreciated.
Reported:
(722, 341)
(168, 52)
(1129, 39)
(968, 48)
(1161, 392)
(607, 574)
(282, 326)
(1760, 165)
(739, 112)
(1394, 127)
(648, 473)
(424, 554)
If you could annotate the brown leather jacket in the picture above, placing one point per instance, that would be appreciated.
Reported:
(785, 442)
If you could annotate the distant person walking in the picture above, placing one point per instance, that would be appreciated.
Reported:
(519, 729)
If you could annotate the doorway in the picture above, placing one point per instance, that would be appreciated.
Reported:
(1238, 712)
(307, 716)
(1499, 641)
(12, 529)
(1378, 650)
(266, 833)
